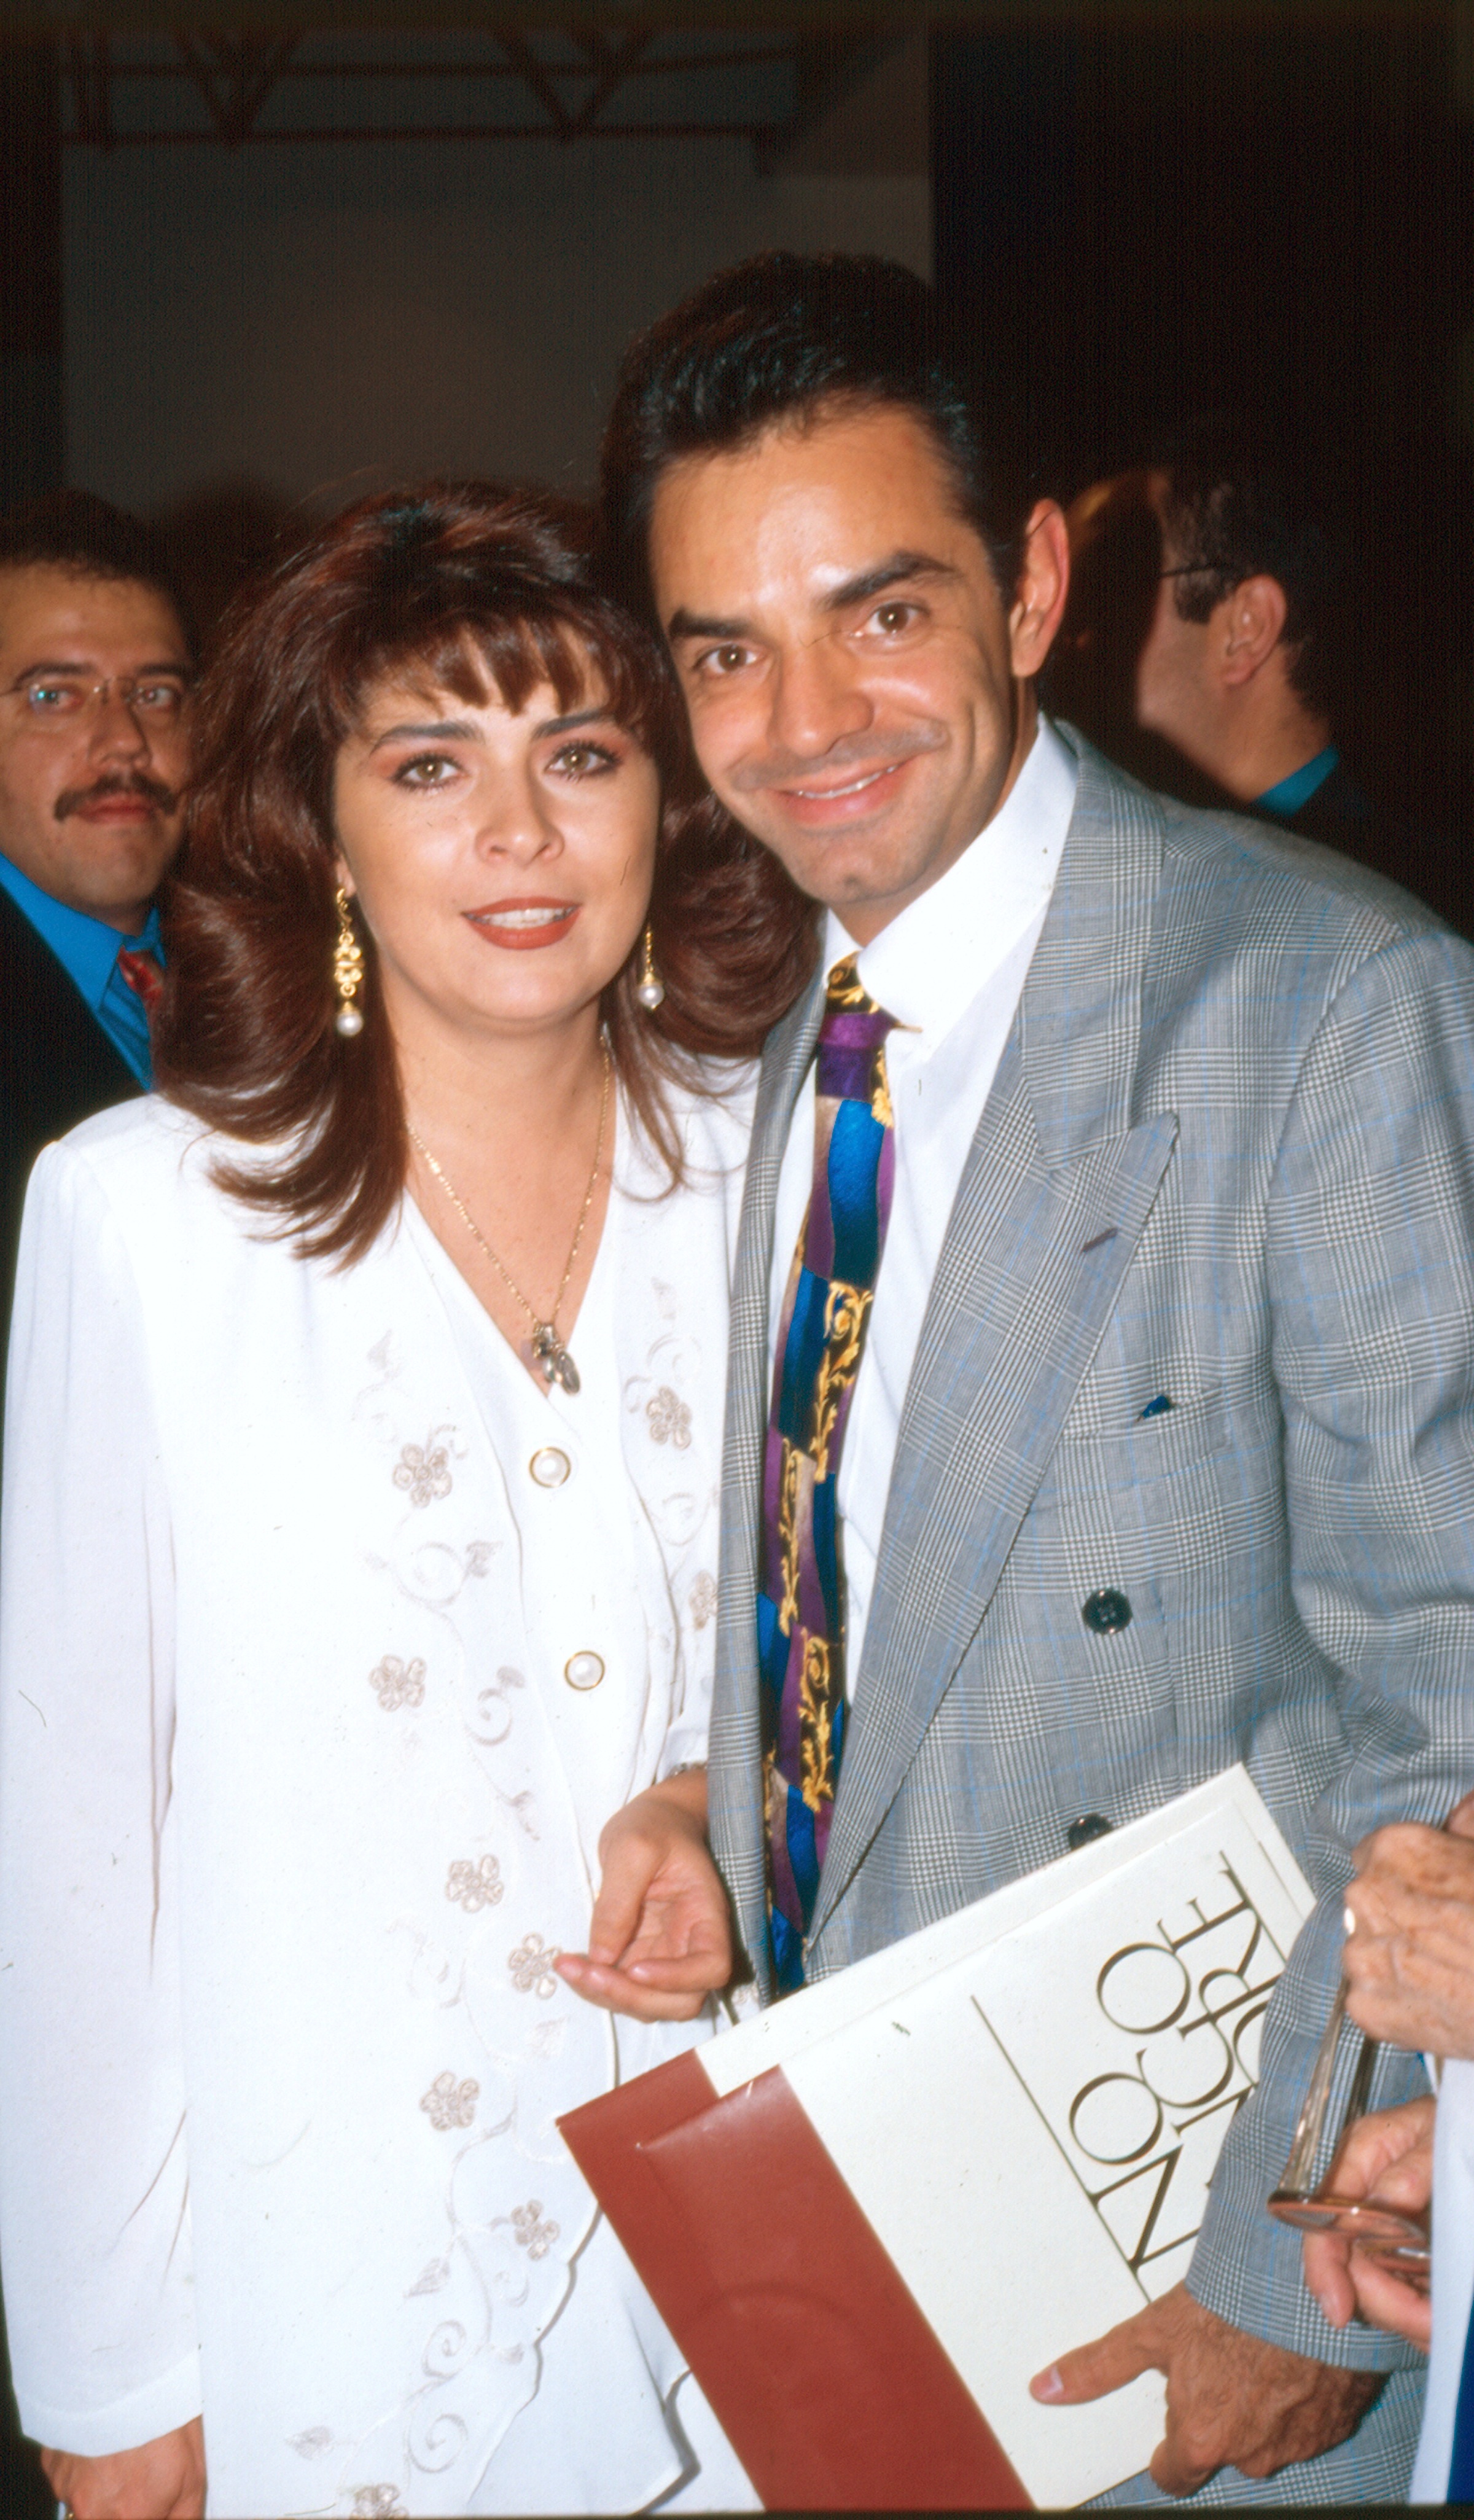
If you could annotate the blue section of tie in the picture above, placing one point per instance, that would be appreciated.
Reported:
(801, 1357)
(1462, 2464)
(853, 1161)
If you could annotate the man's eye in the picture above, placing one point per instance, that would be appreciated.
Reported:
(160, 700)
(723, 660)
(894, 616)
(53, 700)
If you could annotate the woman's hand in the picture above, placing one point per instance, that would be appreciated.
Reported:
(1388, 2155)
(161, 2480)
(1410, 1961)
(660, 1941)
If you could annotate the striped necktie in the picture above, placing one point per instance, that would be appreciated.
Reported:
(820, 1341)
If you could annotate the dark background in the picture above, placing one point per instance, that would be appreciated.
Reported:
(239, 282)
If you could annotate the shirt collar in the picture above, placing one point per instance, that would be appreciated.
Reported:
(1287, 795)
(87, 948)
(926, 967)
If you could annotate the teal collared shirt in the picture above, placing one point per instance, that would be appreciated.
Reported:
(1287, 795)
(87, 950)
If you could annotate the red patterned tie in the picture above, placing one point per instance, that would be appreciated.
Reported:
(144, 973)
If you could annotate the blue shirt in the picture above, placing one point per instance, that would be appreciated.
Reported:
(1287, 795)
(87, 950)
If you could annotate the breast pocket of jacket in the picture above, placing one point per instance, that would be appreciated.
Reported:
(1094, 1584)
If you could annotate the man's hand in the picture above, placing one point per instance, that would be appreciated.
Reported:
(660, 1941)
(1409, 1961)
(1232, 2399)
(1390, 2156)
(161, 2480)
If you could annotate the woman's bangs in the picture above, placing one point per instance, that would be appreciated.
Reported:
(506, 657)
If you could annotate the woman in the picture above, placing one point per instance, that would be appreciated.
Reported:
(360, 1556)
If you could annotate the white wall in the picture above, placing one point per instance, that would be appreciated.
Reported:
(322, 317)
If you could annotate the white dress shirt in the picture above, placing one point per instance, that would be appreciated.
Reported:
(951, 969)
(329, 1642)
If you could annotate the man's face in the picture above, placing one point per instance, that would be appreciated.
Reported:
(1175, 691)
(852, 671)
(90, 785)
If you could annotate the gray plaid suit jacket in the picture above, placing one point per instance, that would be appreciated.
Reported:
(1228, 1157)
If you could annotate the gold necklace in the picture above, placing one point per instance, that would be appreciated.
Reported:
(553, 1358)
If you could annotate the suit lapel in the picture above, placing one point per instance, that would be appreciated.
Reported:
(1059, 1185)
(737, 1749)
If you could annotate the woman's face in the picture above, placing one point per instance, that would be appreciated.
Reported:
(503, 863)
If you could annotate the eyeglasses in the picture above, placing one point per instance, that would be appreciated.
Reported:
(61, 699)
(1382, 2230)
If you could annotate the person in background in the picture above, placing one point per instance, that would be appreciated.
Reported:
(1101, 1396)
(1204, 644)
(1409, 1966)
(94, 670)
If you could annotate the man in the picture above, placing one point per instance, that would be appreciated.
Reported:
(1204, 633)
(95, 671)
(1160, 1451)
(1409, 1966)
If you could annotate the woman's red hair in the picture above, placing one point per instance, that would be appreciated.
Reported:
(440, 580)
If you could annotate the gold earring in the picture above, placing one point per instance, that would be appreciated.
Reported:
(347, 970)
(650, 988)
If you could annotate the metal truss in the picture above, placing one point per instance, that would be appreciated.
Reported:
(562, 82)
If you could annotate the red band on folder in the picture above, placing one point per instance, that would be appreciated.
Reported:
(833, 2387)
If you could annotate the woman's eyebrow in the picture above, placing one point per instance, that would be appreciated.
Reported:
(446, 730)
(577, 717)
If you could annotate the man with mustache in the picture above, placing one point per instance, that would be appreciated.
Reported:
(1102, 1401)
(95, 669)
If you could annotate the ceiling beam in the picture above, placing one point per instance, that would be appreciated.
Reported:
(234, 75)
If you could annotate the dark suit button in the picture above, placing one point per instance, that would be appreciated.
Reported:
(1106, 1611)
(1082, 1832)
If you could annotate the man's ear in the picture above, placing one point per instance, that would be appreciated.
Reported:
(1039, 595)
(1249, 625)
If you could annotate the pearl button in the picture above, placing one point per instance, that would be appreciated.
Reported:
(549, 1467)
(584, 1669)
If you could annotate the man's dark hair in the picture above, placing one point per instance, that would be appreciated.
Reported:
(75, 530)
(784, 337)
(1237, 505)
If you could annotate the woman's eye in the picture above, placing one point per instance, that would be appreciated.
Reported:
(426, 770)
(582, 760)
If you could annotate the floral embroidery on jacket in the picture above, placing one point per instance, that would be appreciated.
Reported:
(703, 1600)
(398, 1684)
(474, 1886)
(531, 1966)
(669, 1418)
(532, 2234)
(377, 2502)
(449, 2103)
(424, 1471)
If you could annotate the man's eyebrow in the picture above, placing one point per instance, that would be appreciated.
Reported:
(903, 567)
(76, 665)
(704, 625)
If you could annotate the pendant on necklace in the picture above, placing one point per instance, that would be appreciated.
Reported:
(553, 1357)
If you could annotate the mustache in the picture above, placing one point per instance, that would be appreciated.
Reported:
(850, 753)
(118, 783)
